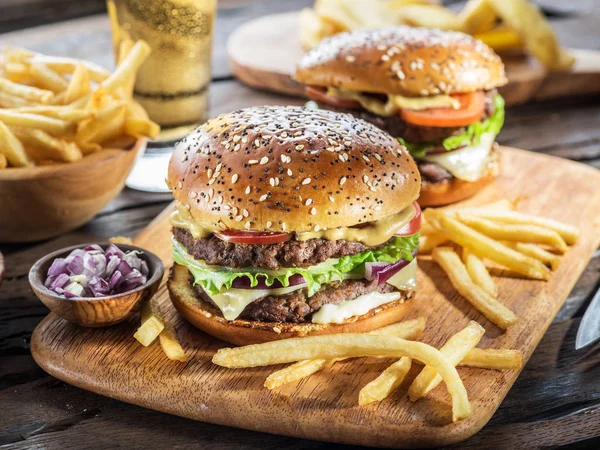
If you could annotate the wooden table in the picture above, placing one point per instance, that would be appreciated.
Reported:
(555, 402)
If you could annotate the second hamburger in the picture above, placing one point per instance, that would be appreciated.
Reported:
(433, 90)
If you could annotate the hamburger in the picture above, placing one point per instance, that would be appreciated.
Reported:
(433, 90)
(291, 221)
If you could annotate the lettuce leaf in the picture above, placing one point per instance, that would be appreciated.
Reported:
(470, 137)
(215, 279)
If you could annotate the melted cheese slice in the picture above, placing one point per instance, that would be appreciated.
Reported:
(394, 102)
(405, 279)
(233, 301)
(467, 163)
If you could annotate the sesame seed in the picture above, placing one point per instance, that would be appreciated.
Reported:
(239, 218)
(283, 158)
(331, 199)
(220, 200)
(209, 173)
(283, 226)
(342, 181)
(245, 140)
(317, 227)
(247, 225)
(385, 58)
(263, 197)
(377, 157)
(378, 208)
(248, 189)
(234, 178)
(211, 181)
(289, 172)
(308, 201)
(269, 224)
(299, 147)
(245, 212)
(218, 168)
(313, 211)
(264, 160)
(284, 135)
(365, 178)
(366, 158)
(306, 181)
(236, 138)
(237, 147)
(193, 194)
(272, 181)
(253, 161)
(256, 143)
(350, 58)
(210, 193)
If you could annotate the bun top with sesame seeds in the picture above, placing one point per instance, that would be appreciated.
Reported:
(408, 61)
(291, 169)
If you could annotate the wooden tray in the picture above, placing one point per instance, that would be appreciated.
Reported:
(264, 52)
(324, 406)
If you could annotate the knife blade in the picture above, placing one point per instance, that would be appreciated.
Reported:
(589, 328)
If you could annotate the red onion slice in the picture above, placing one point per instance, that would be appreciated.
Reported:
(384, 271)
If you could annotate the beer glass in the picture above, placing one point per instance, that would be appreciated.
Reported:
(172, 84)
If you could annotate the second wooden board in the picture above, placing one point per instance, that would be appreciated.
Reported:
(324, 406)
(264, 52)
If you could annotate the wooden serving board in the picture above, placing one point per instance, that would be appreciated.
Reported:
(264, 52)
(325, 406)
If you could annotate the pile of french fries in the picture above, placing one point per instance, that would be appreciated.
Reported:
(505, 25)
(57, 110)
(523, 243)
(314, 353)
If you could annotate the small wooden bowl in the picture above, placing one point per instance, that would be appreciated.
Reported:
(96, 311)
(43, 202)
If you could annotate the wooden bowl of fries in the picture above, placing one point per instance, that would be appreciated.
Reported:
(70, 133)
(45, 201)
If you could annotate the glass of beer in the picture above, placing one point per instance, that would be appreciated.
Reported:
(172, 84)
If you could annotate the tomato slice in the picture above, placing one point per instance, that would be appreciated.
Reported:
(319, 93)
(471, 109)
(413, 226)
(253, 237)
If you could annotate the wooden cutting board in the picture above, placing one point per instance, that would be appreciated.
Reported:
(324, 406)
(264, 52)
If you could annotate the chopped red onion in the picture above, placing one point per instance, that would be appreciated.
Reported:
(384, 271)
(93, 272)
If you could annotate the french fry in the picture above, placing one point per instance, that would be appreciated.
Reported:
(430, 241)
(126, 90)
(10, 101)
(170, 344)
(58, 112)
(50, 147)
(16, 72)
(384, 384)
(141, 127)
(12, 149)
(3, 161)
(455, 349)
(79, 85)
(48, 78)
(313, 29)
(429, 16)
(500, 39)
(477, 16)
(538, 253)
(17, 55)
(479, 273)
(109, 122)
(534, 31)
(25, 92)
(48, 124)
(499, 359)
(427, 229)
(152, 325)
(348, 345)
(64, 65)
(485, 247)
(409, 329)
(128, 67)
(515, 232)
(491, 308)
(569, 233)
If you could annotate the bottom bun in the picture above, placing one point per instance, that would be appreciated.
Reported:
(209, 319)
(455, 190)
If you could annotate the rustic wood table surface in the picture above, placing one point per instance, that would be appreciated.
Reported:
(554, 404)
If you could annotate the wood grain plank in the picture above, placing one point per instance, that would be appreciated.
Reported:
(237, 398)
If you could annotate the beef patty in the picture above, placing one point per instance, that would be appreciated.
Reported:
(397, 127)
(297, 307)
(274, 256)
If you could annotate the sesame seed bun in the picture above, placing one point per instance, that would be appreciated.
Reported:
(291, 169)
(209, 319)
(407, 61)
(454, 190)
